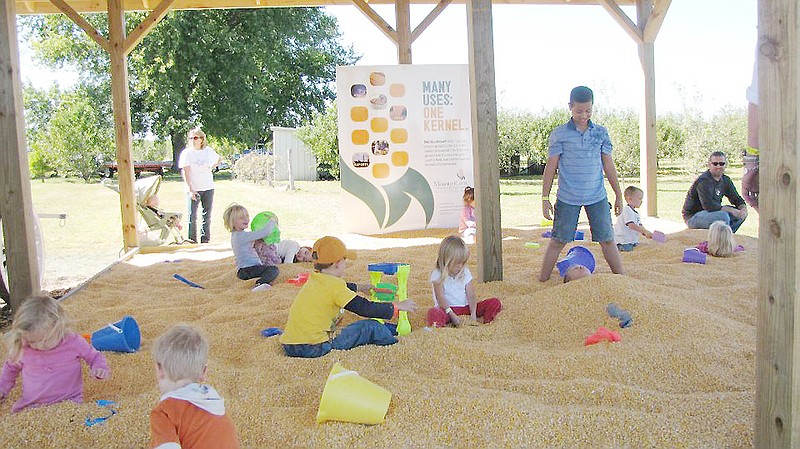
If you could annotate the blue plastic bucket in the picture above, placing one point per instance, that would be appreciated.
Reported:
(388, 268)
(577, 255)
(122, 336)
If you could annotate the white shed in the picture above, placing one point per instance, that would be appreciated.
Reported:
(291, 153)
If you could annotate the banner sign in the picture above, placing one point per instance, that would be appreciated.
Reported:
(405, 146)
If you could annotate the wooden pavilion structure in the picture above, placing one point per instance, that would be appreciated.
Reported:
(778, 383)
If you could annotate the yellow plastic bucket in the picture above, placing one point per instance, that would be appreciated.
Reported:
(351, 398)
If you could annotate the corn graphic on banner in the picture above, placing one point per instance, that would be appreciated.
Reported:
(405, 146)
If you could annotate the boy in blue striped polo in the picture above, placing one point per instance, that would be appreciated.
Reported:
(581, 151)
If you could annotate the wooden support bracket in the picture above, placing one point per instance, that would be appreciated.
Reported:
(81, 22)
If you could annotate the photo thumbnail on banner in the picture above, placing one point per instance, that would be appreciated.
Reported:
(405, 146)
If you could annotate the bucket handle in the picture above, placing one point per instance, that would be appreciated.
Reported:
(116, 329)
(341, 374)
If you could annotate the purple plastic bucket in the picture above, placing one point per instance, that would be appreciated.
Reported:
(577, 255)
(694, 255)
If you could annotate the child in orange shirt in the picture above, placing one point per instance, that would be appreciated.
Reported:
(190, 414)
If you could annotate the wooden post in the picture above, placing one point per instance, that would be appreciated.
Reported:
(289, 155)
(648, 141)
(484, 140)
(778, 326)
(16, 207)
(403, 24)
(122, 121)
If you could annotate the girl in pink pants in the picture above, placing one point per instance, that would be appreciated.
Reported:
(454, 291)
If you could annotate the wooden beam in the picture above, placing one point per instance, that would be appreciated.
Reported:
(147, 24)
(777, 414)
(122, 121)
(484, 140)
(375, 18)
(429, 19)
(16, 207)
(81, 22)
(403, 21)
(648, 138)
(45, 7)
(622, 19)
(656, 18)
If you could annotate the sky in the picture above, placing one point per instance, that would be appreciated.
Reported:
(703, 53)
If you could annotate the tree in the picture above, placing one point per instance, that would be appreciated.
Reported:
(623, 129)
(79, 136)
(39, 107)
(235, 72)
(321, 136)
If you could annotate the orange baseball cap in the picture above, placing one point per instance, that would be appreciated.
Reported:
(331, 250)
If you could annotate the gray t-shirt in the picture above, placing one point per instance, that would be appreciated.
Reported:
(242, 245)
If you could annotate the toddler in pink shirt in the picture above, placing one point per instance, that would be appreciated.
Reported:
(42, 348)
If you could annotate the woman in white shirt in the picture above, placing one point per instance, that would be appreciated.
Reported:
(197, 163)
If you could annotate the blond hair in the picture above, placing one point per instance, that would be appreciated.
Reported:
(631, 190)
(182, 352)
(720, 239)
(233, 213)
(35, 314)
(451, 250)
(197, 132)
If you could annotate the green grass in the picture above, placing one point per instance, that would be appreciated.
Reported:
(91, 238)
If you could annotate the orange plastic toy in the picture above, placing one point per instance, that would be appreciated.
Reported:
(300, 279)
(602, 334)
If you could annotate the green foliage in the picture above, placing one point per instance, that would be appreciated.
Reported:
(671, 137)
(263, 67)
(258, 168)
(728, 132)
(39, 106)
(687, 137)
(541, 127)
(513, 137)
(526, 135)
(151, 150)
(236, 72)
(226, 148)
(321, 137)
(623, 129)
(40, 164)
(79, 136)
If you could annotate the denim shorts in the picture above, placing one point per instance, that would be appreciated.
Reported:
(565, 221)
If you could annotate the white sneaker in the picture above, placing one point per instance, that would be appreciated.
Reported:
(262, 287)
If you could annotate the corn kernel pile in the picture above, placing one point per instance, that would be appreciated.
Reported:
(682, 376)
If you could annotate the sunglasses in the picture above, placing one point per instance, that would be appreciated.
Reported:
(718, 164)
(198, 137)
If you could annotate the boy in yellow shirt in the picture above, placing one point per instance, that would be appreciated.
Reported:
(311, 330)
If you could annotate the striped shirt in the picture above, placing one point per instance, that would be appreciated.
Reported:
(580, 166)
